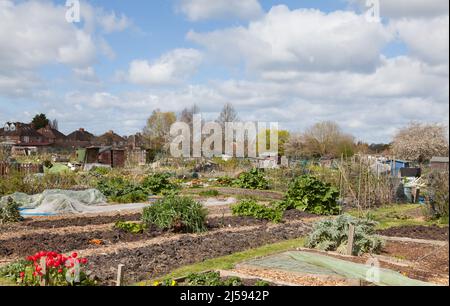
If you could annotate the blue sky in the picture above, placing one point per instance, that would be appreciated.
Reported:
(296, 62)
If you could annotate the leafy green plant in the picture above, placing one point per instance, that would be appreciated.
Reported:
(261, 283)
(332, 235)
(13, 270)
(211, 279)
(253, 179)
(158, 183)
(209, 193)
(100, 171)
(10, 212)
(309, 194)
(176, 213)
(131, 227)
(225, 181)
(203, 279)
(121, 191)
(250, 208)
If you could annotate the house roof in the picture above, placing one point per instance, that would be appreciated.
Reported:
(438, 159)
(110, 138)
(80, 135)
(51, 133)
(18, 129)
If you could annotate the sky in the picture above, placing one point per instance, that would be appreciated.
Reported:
(296, 62)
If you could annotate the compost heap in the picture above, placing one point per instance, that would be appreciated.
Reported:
(59, 202)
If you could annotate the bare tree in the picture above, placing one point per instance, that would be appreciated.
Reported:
(187, 114)
(420, 142)
(322, 139)
(228, 114)
(54, 124)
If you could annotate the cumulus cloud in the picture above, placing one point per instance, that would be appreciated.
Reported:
(408, 8)
(173, 67)
(197, 10)
(427, 39)
(300, 40)
(35, 33)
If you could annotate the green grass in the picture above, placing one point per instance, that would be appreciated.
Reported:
(230, 261)
(399, 215)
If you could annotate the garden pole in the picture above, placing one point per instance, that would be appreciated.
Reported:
(120, 275)
(43, 265)
(351, 239)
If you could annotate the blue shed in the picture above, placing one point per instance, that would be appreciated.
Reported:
(396, 165)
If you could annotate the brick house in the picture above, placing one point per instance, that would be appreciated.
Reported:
(80, 139)
(54, 136)
(22, 134)
(110, 139)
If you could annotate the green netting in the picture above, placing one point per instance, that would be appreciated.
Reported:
(315, 264)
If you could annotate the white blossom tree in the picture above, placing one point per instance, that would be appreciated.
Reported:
(420, 142)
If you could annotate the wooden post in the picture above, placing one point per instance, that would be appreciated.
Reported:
(351, 239)
(43, 265)
(120, 275)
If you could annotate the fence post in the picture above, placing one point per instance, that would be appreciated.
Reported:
(120, 275)
(351, 239)
(43, 265)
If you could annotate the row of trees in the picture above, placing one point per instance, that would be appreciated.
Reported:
(416, 142)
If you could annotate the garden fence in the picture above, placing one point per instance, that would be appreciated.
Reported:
(7, 168)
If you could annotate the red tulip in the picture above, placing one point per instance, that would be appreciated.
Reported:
(22, 275)
(84, 261)
(74, 255)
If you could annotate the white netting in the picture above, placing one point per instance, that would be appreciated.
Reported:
(57, 202)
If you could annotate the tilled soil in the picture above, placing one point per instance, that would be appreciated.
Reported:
(430, 257)
(159, 259)
(80, 221)
(61, 241)
(418, 232)
(30, 244)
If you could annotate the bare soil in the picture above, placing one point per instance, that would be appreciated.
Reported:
(418, 232)
(158, 260)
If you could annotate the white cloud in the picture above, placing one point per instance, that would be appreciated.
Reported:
(112, 23)
(371, 105)
(408, 8)
(196, 10)
(36, 33)
(173, 67)
(427, 39)
(300, 40)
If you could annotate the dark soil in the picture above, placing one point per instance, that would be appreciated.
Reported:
(79, 221)
(418, 232)
(28, 245)
(157, 260)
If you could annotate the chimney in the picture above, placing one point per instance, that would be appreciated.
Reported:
(81, 130)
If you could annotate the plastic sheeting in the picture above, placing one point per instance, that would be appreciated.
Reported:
(316, 264)
(60, 202)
